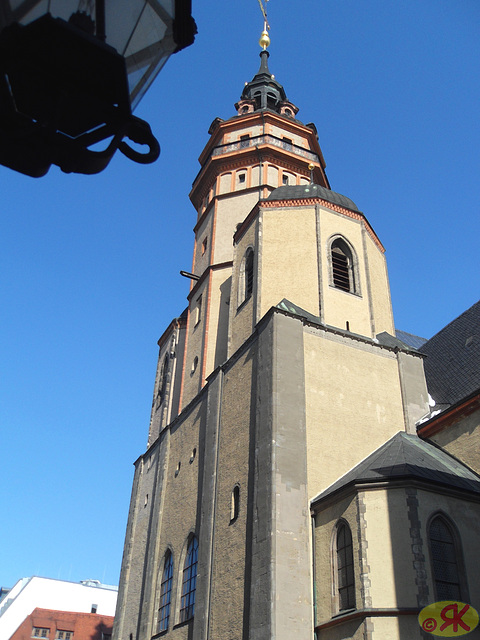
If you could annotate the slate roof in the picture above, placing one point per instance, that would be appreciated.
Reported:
(300, 191)
(406, 456)
(452, 365)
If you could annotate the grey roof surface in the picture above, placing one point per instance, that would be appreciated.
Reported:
(406, 456)
(295, 192)
(384, 338)
(388, 340)
(409, 338)
(452, 365)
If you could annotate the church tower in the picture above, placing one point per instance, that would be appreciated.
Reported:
(280, 378)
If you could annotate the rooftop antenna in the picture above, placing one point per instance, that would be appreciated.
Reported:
(264, 38)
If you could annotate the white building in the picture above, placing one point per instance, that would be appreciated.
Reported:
(88, 596)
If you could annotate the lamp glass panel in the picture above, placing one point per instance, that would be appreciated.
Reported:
(140, 30)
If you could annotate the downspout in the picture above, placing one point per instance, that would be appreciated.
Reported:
(314, 576)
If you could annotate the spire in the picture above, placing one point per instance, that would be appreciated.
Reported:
(264, 92)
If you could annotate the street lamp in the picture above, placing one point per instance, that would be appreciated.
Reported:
(71, 71)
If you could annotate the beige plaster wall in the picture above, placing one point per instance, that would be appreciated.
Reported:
(380, 289)
(288, 259)
(462, 440)
(225, 183)
(241, 131)
(340, 307)
(192, 380)
(201, 261)
(273, 176)
(230, 212)
(279, 132)
(353, 397)
(242, 317)
(390, 549)
(216, 319)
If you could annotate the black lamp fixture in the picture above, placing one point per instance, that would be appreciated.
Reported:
(71, 72)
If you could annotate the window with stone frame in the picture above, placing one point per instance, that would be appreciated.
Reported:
(245, 281)
(345, 572)
(162, 384)
(165, 593)
(189, 581)
(342, 267)
(445, 559)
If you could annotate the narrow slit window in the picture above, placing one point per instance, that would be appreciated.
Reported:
(198, 310)
(235, 504)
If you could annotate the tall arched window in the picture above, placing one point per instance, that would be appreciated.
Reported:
(345, 569)
(189, 581)
(165, 593)
(245, 282)
(342, 267)
(162, 387)
(445, 560)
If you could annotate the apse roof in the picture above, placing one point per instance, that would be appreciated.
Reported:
(452, 365)
(300, 191)
(406, 456)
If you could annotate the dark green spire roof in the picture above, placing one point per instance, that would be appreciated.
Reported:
(264, 89)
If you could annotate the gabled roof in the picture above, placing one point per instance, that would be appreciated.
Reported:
(298, 192)
(452, 366)
(407, 457)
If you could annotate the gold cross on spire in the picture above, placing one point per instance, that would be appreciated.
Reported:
(264, 38)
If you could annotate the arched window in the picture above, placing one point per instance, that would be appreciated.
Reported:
(163, 380)
(444, 555)
(235, 504)
(189, 582)
(245, 283)
(345, 570)
(165, 593)
(342, 267)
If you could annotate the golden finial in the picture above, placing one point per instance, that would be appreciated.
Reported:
(264, 39)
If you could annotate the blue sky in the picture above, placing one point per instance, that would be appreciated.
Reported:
(89, 264)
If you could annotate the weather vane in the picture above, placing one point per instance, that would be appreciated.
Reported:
(264, 38)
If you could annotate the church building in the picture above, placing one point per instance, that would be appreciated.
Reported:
(302, 478)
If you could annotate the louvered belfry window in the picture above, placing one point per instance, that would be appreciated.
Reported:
(345, 569)
(444, 560)
(342, 267)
